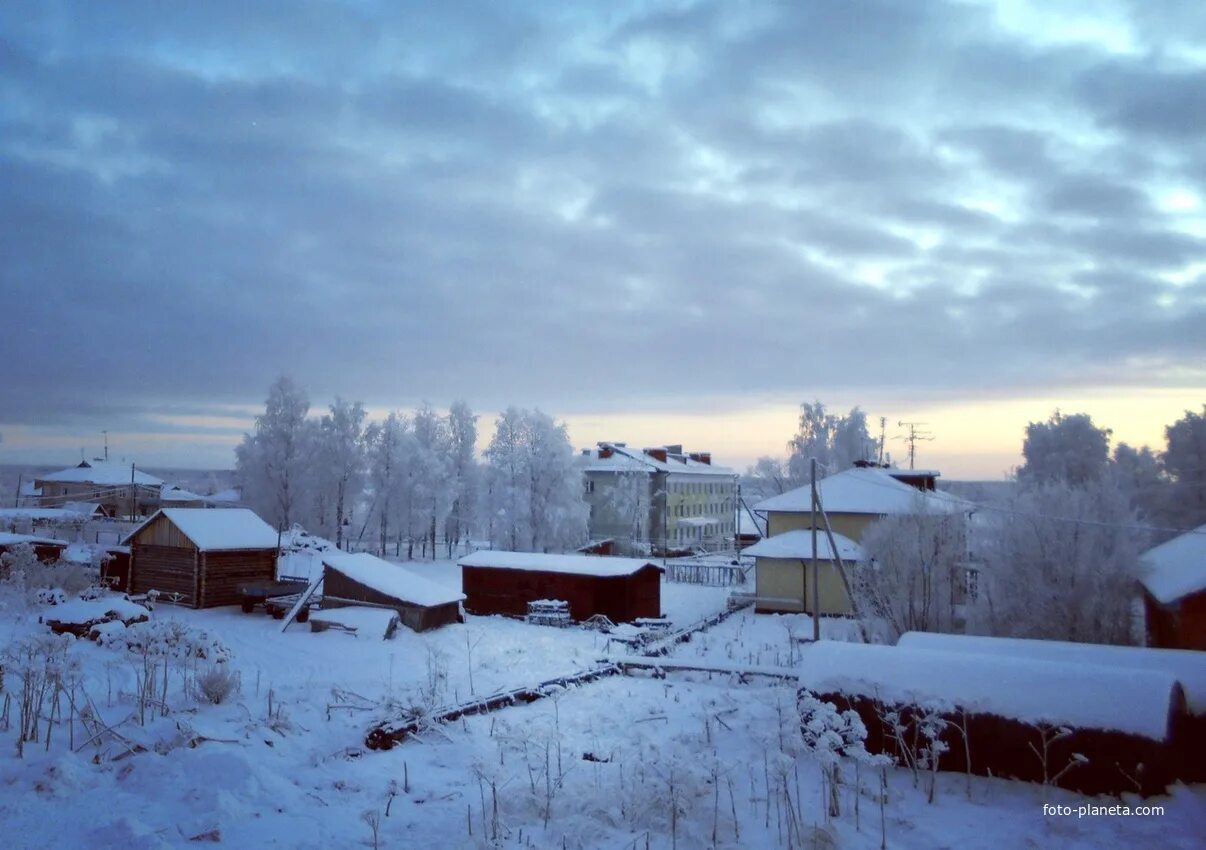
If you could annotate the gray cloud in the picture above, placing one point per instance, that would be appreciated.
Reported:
(577, 209)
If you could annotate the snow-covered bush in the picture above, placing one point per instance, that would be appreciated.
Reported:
(217, 684)
(171, 639)
(156, 648)
(25, 581)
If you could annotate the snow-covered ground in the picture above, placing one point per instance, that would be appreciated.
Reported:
(283, 763)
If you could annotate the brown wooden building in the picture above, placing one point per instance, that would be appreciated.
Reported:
(622, 589)
(363, 579)
(201, 554)
(45, 549)
(1175, 592)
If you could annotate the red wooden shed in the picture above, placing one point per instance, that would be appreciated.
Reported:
(622, 589)
(1174, 586)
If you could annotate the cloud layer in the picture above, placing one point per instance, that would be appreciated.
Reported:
(594, 206)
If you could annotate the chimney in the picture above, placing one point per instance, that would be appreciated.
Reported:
(657, 454)
(705, 457)
(605, 452)
(676, 449)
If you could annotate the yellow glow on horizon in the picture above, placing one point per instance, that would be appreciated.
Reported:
(973, 438)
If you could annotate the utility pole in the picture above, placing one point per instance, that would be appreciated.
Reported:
(816, 583)
(106, 433)
(914, 436)
(883, 425)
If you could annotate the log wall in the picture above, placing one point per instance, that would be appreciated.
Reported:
(223, 572)
(166, 569)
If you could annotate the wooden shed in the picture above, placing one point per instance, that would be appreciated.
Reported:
(45, 549)
(622, 589)
(201, 554)
(1174, 586)
(362, 579)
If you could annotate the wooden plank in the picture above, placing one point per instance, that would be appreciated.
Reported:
(302, 599)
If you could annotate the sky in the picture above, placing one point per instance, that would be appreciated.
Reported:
(659, 222)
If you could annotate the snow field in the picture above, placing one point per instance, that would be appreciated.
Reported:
(283, 762)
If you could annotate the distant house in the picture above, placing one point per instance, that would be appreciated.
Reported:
(622, 589)
(171, 496)
(857, 497)
(202, 555)
(1174, 588)
(783, 579)
(45, 549)
(852, 501)
(121, 489)
(366, 580)
(659, 500)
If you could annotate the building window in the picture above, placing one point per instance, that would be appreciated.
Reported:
(590, 486)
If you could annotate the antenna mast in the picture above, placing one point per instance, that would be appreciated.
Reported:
(914, 436)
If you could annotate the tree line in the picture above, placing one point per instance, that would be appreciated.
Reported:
(409, 483)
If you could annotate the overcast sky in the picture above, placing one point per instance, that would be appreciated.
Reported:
(663, 221)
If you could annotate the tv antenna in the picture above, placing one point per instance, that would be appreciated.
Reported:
(915, 435)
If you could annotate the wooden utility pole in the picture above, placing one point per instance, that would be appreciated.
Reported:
(816, 582)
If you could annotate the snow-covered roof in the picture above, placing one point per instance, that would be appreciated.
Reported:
(798, 544)
(586, 565)
(627, 459)
(391, 579)
(1089, 696)
(748, 524)
(85, 509)
(1187, 665)
(217, 528)
(103, 472)
(63, 514)
(865, 491)
(7, 539)
(179, 494)
(1177, 567)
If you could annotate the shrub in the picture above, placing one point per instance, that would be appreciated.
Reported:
(217, 684)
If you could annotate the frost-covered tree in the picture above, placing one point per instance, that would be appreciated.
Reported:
(835, 441)
(462, 442)
(1184, 462)
(434, 487)
(339, 461)
(507, 459)
(273, 462)
(1066, 448)
(559, 513)
(535, 487)
(628, 500)
(1138, 474)
(1062, 562)
(768, 477)
(915, 575)
(386, 470)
